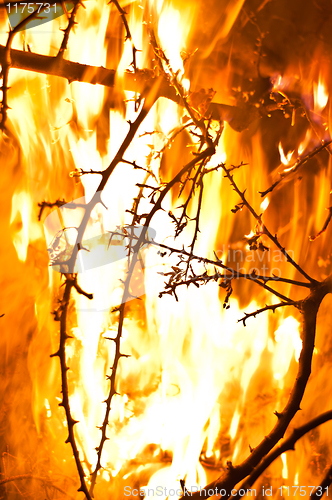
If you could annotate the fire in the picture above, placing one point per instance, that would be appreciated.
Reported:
(194, 389)
(321, 95)
(285, 159)
(21, 216)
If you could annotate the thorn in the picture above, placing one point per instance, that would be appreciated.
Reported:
(102, 203)
(73, 422)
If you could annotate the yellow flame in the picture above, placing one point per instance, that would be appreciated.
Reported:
(234, 424)
(284, 468)
(303, 145)
(285, 159)
(321, 95)
(288, 344)
(26, 229)
(265, 203)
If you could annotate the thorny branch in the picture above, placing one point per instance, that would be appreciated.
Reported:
(236, 473)
(118, 355)
(325, 226)
(263, 228)
(271, 307)
(286, 445)
(6, 64)
(70, 26)
(193, 172)
(46, 204)
(6, 56)
(295, 167)
(61, 313)
(129, 37)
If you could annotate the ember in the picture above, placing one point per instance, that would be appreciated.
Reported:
(166, 188)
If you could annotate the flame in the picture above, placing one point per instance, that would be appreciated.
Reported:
(265, 203)
(285, 159)
(321, 95)
(303, 145)
(289, 345)
(26, 227)
(185, 390)
(178, 23)
(284, 468)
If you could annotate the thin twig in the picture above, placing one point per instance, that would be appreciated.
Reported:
(117, 355)
(234, 474)
(295, 167)
(271, 307)
(44, 480)
(325, 226)
(123, 15)
(257, 278)
(172, 137)
(45, 204)
(264, 229)
(70, 26)
(71, 282)
(286, 445)
(65, 403)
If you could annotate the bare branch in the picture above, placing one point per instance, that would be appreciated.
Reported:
(286, 445)
(264, 229)
(61, 353)
(234, 474)
(6, 64)
(46, 204)
(70, 26)
(295, 167)
(325, 226)
(272, 308)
